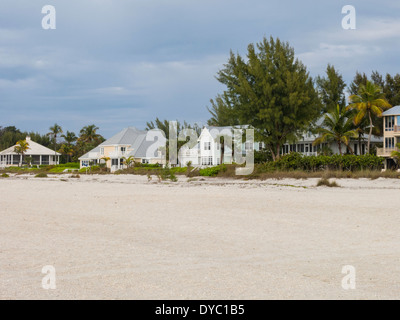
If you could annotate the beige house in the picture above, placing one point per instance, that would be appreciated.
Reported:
(130, 142)
(40, 155)
(391, 128)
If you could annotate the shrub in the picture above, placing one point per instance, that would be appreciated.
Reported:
(5, 175)
(210, 172)
(41, 175)
(167, 173)
(75, 176)
(326, 183)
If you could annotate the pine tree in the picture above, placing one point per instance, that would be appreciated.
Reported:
(272, 91)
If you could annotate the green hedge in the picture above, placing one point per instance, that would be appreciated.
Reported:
(296, 161)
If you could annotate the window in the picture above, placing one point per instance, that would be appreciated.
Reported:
(249, 146)
(207, 145)
(207, 161)
(301, 147)
(389, 123)
(145, 161)
(102, 151)
(123, 150)
(114, 162)
(260, 146)
(389, 143)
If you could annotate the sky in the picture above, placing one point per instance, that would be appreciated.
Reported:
(121, 63)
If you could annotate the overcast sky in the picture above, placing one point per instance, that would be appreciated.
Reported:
(120, 63)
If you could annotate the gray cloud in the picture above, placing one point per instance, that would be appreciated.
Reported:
(119, 63)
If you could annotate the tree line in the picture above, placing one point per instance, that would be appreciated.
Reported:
(273, 91)
(70, 145)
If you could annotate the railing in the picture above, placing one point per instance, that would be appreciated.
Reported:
(396, 129)
(385, 152)
(118, 154)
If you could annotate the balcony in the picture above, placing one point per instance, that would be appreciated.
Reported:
(396, 130)
(385, 152)
(118, 154)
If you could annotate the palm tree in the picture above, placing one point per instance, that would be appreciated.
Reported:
(89, 134)
(21, 147)
(54, 132)
(337, 126)
(128, 161)
(370, 101)
(69, 138)
(67, 150)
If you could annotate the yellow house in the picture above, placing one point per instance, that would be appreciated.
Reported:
(391, 129)
(129, 142)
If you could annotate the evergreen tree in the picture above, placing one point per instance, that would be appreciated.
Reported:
(331, 89)
(272, 91)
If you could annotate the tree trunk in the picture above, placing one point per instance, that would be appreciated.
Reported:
(222, 150)
(370, 132)
(340, 147)
(359, 144)
(351, 150)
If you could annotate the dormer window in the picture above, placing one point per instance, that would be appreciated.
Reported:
(207, 145)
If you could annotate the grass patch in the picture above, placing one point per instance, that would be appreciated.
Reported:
(5, 175)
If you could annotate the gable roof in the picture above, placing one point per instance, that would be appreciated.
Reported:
(34, 148)
(127, 136)
(132, 137)
(395, 111)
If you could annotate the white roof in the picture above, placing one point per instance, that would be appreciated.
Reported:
(132, 137)
(395, 111)
(33, 149)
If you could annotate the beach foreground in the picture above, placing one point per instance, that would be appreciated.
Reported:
(122, 237)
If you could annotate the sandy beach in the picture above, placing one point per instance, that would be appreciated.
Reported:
(123, 237)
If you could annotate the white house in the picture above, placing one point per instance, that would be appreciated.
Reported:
(129, 142)
(208, 151)
(40, 155)
(305, 145)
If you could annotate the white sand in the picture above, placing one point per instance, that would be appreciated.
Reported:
(121, 237)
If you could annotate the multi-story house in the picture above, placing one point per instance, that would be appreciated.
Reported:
(305, 145)
(391, 137)
(130, 142)
(209, 150)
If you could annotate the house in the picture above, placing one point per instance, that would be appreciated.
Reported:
(391, 136)
(129, 142)
(40, 155)
(305, 145)
(208, 150)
